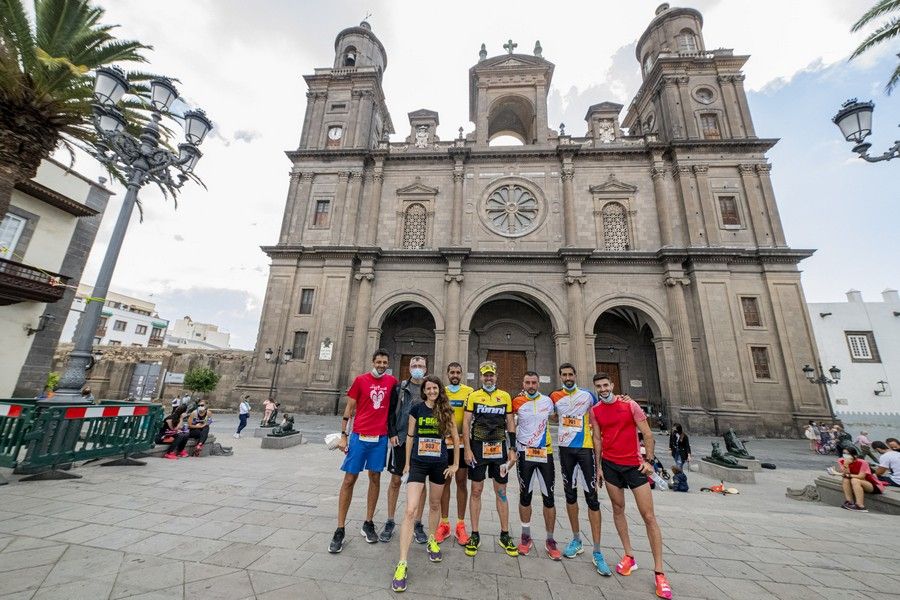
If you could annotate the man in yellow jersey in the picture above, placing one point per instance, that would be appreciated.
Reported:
(458, 393)
(576, 462)
(489, 434)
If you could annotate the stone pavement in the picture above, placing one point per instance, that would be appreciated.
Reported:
(257, 525)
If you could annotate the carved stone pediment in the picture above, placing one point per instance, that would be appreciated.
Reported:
(417, 188)
(613, 186)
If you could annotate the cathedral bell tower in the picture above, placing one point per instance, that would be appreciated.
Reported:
(346, 107)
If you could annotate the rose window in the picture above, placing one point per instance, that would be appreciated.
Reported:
(512, 210)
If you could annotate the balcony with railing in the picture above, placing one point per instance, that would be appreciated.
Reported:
(22, 283)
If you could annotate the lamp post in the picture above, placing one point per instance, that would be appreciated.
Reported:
(142, 161)
(280, 358)
(822, 379)
(854, 119)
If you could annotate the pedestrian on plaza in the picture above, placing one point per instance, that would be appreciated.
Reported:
(857, 480)
(269, 407)
(404, 397)
(679, 446)
(243, 414)
(368, 403)
(865, 445)
(812, 434)
(888, 469)
(198, 429)
(170, 433)
(679, 480)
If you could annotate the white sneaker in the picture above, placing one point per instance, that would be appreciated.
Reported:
(236, 436)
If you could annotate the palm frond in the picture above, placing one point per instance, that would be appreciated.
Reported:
(16, 33)
(882, 7)
(885, 32)
(893, 82)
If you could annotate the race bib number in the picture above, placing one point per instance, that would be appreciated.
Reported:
(536, 455)
(429, 447)
(368, 438)
(492, 450)
(572, 422)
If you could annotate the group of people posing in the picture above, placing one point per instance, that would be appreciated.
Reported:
(426, 432)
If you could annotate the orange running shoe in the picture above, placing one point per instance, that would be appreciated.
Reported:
(626, 566)
(442, 533)
(552, 551)
(461, 536)
(663, 590)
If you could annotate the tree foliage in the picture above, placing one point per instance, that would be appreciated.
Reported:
(201, 379)
(889, 10)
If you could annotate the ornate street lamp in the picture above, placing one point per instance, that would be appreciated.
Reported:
(142, 160)
(280, 359)
(854, 119)
(819, 378)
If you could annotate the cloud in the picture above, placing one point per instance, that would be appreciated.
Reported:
(178, 237)
(244, 135)
(234, 311)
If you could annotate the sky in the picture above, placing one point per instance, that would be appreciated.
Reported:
(243, 63)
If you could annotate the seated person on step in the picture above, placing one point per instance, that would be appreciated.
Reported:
(170, 431)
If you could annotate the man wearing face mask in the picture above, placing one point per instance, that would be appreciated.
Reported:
(198, 428)
(457, 393)
(368, 401)
(404, 396)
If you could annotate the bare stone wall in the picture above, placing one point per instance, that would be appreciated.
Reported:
(110, 377)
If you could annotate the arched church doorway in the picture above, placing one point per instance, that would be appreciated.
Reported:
(408, 331)
(626, 350)
(514, 331)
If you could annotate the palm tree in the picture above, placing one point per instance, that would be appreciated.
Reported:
(886, 31)
(46, 82)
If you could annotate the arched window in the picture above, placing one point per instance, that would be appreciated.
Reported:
(350, 57)
(415, 227)
(615, 227)
(687, 41)
(648, 63)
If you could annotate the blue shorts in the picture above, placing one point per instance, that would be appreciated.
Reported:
(365, 455)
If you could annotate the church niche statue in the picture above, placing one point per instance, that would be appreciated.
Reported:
(286, 428)
(734, 446)
(422, 136)
(717, 458)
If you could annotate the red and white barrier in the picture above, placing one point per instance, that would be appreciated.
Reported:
(87, 412)
(11, 411)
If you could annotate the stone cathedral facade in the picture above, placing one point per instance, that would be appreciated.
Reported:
(646, 244)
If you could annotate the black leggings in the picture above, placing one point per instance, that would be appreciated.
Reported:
(582, 459)
(198, 434)
(526, 470)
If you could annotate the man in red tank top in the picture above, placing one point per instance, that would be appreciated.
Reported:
(615, 422)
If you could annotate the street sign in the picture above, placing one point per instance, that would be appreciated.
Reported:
(176, 378)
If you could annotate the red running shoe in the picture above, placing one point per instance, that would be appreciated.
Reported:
(552, 551)
(626, 566)
(442, 533)
(461, 536)
(170, 456)
(663, 590)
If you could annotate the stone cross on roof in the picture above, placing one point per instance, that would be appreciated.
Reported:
(509, 46)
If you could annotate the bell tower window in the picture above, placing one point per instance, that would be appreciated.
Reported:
(511, 118)
(350, 57)
(687, 41)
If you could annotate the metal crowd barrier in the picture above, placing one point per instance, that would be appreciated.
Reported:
(59, 434)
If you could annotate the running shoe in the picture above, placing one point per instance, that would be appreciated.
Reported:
(398, 584)
(473, 544)
(368, 531)
(847, 504)
(236, 436)
(337, 542)
(388, 532)
(170, 456)
(626, 566)
(509, 546)
(574, 548)
(434, 551)
(462, 538)
(198, 449)
(601, 565)
(525, 545)
(419, 534)
(552, 551)
(663, 589)
(443, 532)
(182, 454)
(857, 508)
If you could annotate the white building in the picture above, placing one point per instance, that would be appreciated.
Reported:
(45, 238)
(862, 339)
(124, 321)
(187, 333)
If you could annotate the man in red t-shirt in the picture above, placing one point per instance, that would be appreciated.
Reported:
(615, 422)
(369, 399)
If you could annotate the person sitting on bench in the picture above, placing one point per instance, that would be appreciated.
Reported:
(170, 432)
(198, 429)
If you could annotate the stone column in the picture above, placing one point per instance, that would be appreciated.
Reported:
(668, 99)
(351, 202)
(451, 328)
(340, 206)
(290, 208)
(692, 217)
(755, 205)
(688, 386)
(365, 277)
(301, 208)
(768, 193)
(318, 115)
(456, 216)
(350, 140)
(577, 335)
(690, 124)
(374, 205)
(738, 82)
(569, 219)
(732, 110)
(307, 120)
(664, 210)
(707, 207)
